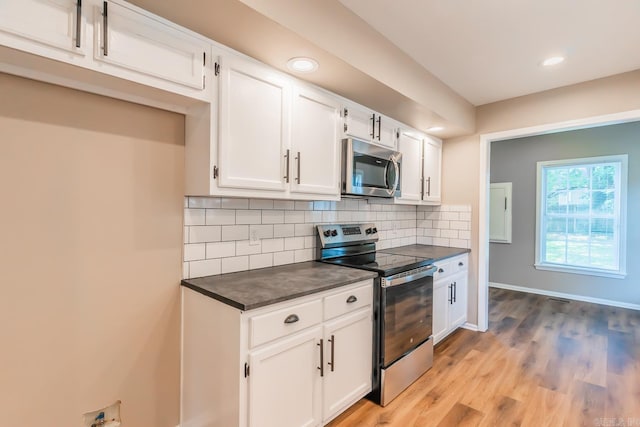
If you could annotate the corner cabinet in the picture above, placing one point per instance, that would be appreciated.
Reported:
(296, 363)
(421, 168)
(449, 296)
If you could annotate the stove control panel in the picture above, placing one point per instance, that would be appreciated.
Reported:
(333, 235)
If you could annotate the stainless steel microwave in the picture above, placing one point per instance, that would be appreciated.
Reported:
(369, 170)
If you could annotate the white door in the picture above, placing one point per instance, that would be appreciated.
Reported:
(254, 126)
(348, 350)
(441, 296)
(284, 382)
(500, 212)
(139, 43)
(385, 131)
(458, 309)
(411, 166)
(359, 122)
(432, 169)
(315, 141)
(54, 23)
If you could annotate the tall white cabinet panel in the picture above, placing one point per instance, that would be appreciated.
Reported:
(254, 126)
(348, 369)
(284, 385)
(130, 40)
(411, 172)
(53, 23)
(432, 170)
(314, 146)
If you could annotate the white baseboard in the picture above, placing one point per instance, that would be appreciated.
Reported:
(470, 326)
(565, 296)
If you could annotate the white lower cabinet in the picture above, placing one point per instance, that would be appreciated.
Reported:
(297, 363)
(449, 296)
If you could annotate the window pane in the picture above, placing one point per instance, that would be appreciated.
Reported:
(603, 245)
(556, 240)
(578, 178)
(555, 251)
(603, 202)
(557, 202)
(556, 179)
(603, 177)
(578, 253)
(578, 201)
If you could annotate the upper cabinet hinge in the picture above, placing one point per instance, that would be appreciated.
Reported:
(215, 172)
(216, 68)
(246, 370)
(345, 113)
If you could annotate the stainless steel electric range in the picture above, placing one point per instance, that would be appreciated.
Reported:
(403, 305)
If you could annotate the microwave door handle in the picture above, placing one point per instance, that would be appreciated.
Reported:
(396, 166)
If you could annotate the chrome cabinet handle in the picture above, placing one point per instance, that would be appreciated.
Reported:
(429, 186)
(321, 367)
(450, 294)
(460, 264)
(379, 126)
(352, 298)
(292, 318)
(332, 340)
(78, 22)
(286, 175)
(105, 30)
(299, 160)
(455, 291)
(373, 126)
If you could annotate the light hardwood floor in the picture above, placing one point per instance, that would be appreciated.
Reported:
(543, 362)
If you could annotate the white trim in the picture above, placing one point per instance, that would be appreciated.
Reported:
(470, 326)
(573, 297)
(483, 202)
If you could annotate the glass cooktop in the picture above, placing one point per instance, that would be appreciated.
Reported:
(384, 264)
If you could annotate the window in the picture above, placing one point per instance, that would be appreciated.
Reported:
(581, 220)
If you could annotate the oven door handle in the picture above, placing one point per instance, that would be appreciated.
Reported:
(395, 281)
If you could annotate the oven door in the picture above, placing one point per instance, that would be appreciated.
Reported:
(369, 170)
(407, 315)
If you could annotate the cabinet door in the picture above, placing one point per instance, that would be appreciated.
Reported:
(348, 350)
(133, 41)
(53, 23)
(254, 126)
(432, 169)
(411, 166)
(359, 123)
(386, 131)
(458, 309)
(441, 296)
(284, 383)
(315, 141)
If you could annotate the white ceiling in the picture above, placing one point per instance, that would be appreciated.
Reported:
(490, 50)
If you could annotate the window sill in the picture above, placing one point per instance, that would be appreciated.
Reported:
(578, 270)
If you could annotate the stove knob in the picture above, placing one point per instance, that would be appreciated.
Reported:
(368, 231)
(327, 233)
(374, 230)
(334, 232)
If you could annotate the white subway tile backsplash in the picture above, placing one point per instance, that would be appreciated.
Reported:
(194, 216)
(221, 249)
(248, 217)
(221, 216)
(238, 263)
(235, 232)
(194, 252)
(219, 229)
(260, 261)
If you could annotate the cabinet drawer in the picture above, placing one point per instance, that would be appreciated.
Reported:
(460, 263)
(348, 301)
(276, 324)
(445, 268)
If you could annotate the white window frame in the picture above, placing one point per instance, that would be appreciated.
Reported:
(621, 273)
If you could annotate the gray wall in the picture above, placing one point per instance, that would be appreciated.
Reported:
(515, 161)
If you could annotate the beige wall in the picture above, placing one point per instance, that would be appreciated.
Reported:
(92, 198)
(461, 155)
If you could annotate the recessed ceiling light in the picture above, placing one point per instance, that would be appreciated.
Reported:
(554, 60)
(435, 128)
(302, 65)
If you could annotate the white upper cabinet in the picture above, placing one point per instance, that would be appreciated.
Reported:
(367, 125)
(137, 42)
(410, 145)
(56, 24)
(432, 170)
(315, 142)
(254, 126)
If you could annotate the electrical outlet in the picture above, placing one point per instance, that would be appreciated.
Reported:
(254, 239)
(108, 416)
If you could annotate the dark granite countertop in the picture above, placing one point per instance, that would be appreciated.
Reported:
(436, 253)
(251, 289)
